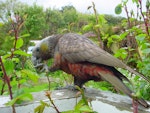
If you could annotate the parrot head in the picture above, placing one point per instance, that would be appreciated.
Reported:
(43, 50)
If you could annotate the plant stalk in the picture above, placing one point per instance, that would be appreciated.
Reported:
(98, 29)
(8, 83)
(145, 19)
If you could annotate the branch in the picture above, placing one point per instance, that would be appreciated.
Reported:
(48, 94)
(145, 19)
(8, 82)
(129, 23)
(98, 30)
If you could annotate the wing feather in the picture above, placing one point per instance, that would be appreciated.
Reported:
(77, 48)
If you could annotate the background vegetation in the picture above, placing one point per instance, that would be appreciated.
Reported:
(125, 38)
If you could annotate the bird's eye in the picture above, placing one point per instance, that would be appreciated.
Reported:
(37, 49)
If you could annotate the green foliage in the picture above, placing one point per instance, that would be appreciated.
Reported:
(19, 43)
(81, 107)
(9, 66)
(88, 27)
(5, 41)
(41, 107)
(35, 23)
(54, 21)
(20, 98)
(113, 20)
(121, 53)
(17, 75)
(105, 86)
(25, 73)
(69, 14)
(136, 51)
(13, 73)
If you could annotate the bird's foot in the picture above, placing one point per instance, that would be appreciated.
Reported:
(41, 67)
(45, 68)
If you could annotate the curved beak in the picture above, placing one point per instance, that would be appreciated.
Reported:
(37, 62)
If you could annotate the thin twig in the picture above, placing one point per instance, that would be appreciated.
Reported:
(126, 10)
(8, 83)
(98, 30)
(48, 94)
(16, 38)
(49, 82)
(145, 19)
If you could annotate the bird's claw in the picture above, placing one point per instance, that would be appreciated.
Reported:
(42, 67)
(39, 65)
(45, 67)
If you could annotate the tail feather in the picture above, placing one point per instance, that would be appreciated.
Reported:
(116, 81)
(143, 102)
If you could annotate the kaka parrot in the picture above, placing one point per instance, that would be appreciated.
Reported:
(77, 55)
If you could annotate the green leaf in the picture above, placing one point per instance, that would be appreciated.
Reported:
(122, 53)
(23, 97)
(86, 108)
(102, 20)
(18, 92)
(87, 27)
(41, 107)
(147, 51)
(97, 26)
(115, 37)
(147, 44)
(22, 53)
(2, 52)
(19, 43)
(104, 88)
(16, 60)
(22, 81)
(140, 37)
(14, 83)
(80, 103)
(123, 35)
(12, 102)
(25, 35)
(135, 1)
(118, 9)
(26, 97)
(32, 75)
(9, 66)
(6, 56)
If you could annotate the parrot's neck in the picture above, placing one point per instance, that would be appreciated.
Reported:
(54, 44)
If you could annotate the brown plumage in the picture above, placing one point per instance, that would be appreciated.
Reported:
(77, 55)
